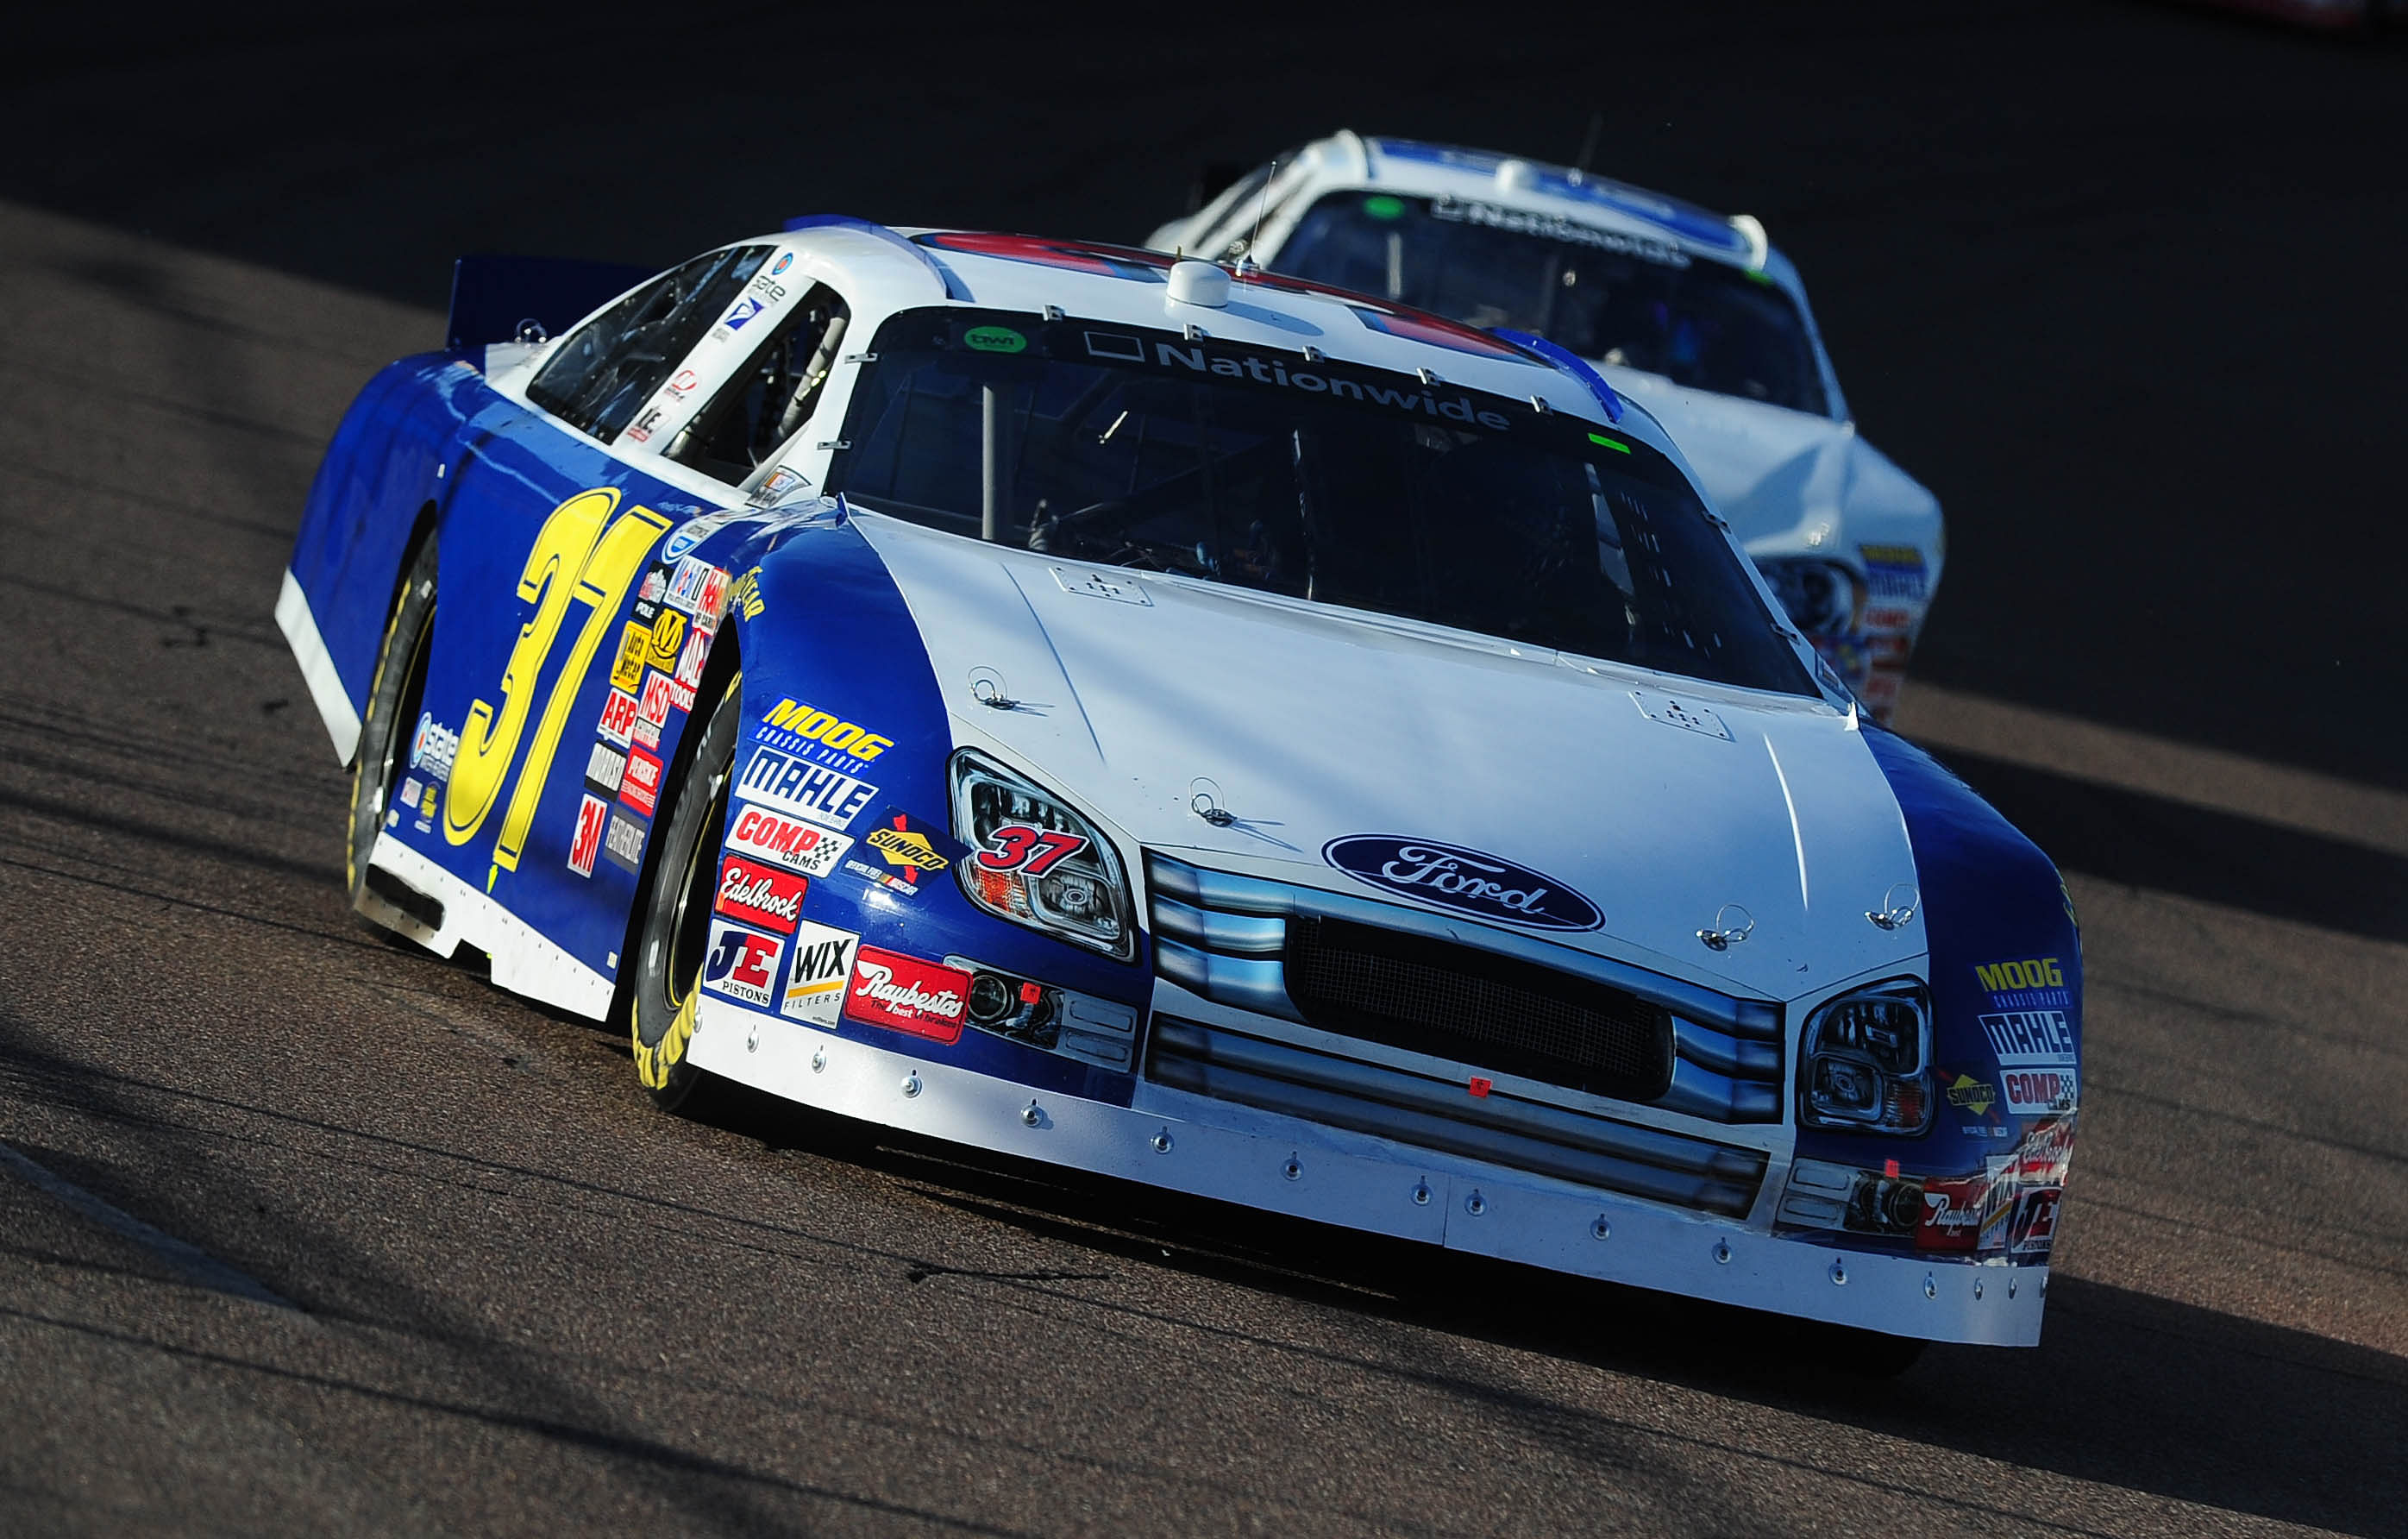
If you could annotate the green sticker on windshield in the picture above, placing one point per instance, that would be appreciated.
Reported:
(1601, 440)
(994, 340)
(1384, 206)
(1759, 275)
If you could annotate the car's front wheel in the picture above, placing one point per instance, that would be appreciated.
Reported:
(676, 918)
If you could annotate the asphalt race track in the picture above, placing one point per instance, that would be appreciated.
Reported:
(302, 1232)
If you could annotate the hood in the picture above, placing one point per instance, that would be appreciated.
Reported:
(1778, 474)
(1310, 725)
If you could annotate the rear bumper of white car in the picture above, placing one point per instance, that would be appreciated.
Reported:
(1281, 1164)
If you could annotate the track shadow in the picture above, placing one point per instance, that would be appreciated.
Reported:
(2125, 1389)
(2144, 841)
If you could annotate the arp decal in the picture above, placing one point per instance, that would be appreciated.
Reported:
(906, 994)
(821, 973)
(605, 553)
(791, 842)
(741, 964)
(802, 723)
(592, 816)
(1466, 881)
(814, 792)
(760, 894)
(640, 788)
(618, 722)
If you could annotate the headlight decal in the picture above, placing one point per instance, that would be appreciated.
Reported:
(1038, 862)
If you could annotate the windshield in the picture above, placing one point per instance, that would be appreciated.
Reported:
(1285, 472)
(1604, 294)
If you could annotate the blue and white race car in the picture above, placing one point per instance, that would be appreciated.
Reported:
(1698, 317)
(1218, 731)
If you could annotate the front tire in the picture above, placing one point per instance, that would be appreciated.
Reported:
(393, 694)
(667, 987)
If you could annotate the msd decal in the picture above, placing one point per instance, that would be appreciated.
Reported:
(2040, 1093)
(822, 967)
(740, 964)
(810, 791)
(789, 841)
(652, 709)
(592, 816)
(906, 994)
(761, 895)
(1466, 881)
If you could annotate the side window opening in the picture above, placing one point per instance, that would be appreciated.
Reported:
(608, 367)
(776, 391)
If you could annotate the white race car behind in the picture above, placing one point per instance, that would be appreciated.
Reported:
(1697, 316)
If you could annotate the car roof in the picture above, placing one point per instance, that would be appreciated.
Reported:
(894, 269)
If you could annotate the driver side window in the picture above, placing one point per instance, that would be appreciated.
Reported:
(776, 391)
(608, 367)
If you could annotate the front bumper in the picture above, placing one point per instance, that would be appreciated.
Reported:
(1279, 1164)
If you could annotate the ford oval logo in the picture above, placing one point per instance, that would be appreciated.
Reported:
(1464, 880)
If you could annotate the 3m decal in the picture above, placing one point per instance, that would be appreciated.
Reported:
(1017, 847)
(618, 717)
(807, 725)
(622, 844)
(433, 747)
(629, 666)
(822, 969)
(640, 788)
(1952, 1213)
(2019, 1037)
(2040, 1093)
(667, 640)
(653, 708)
(810, 791)
(790, 842)
(1468, 880)
(760, 894)
(741, 964)
(605, 766)
(906, 994)
(581, 555)
(592, 816)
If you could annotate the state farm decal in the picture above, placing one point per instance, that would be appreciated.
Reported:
(812, 792)
(640, 788)
(788, 840)
(2039, 1092)
(741, 964)
(433, 747)
(906, 994)
(760, 894)
(822, 970)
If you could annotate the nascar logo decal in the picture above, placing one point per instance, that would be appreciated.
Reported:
(1466, 881)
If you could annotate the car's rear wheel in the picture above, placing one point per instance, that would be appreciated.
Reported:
(666, 986)
(393, 694)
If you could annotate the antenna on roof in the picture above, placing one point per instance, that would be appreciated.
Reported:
(1588, 140)
(1261, 207)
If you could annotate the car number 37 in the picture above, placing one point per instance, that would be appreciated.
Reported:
(1018, 847)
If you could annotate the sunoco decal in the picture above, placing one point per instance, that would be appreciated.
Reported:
(1466, 881)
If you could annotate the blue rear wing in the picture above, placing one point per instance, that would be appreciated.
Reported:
(1570, 362)
(491, 296)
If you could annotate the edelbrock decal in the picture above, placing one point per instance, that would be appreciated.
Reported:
(1468, 881)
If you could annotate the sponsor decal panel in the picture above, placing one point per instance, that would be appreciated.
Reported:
(592, 816)
(667, 639)
(816, 793)
(2033, 983)
(641, 787)
(821, 735)
(741, 964)
(605, 766)
(627, 668)
(692, 578)
(689, 668)
(433, 747)
(1468, 881)
(760, 894)
(800, 846)
(653, 582)
(906, 994)
(623, 843)
(821, 973)
(1952, 1213)
(618, 722)
(2030, 1036)
(652, 709)
(1894, 573)
(2040, 1093)
(905, 845)
(2035, 1223)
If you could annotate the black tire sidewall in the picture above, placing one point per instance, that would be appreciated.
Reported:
(661, 1017)
(385, 732)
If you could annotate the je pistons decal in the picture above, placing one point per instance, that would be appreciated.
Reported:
(1466, 881)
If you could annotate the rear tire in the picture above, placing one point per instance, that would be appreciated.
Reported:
(666, 986)
(393, 694)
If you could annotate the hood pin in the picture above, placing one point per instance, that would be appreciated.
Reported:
(1732, 923)
(1897, 905)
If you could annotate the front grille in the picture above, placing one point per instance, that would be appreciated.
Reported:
(1475, 1007)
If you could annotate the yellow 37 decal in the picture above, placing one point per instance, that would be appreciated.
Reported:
(580, 556)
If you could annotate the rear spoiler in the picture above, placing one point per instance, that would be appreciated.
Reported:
(494, 296)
